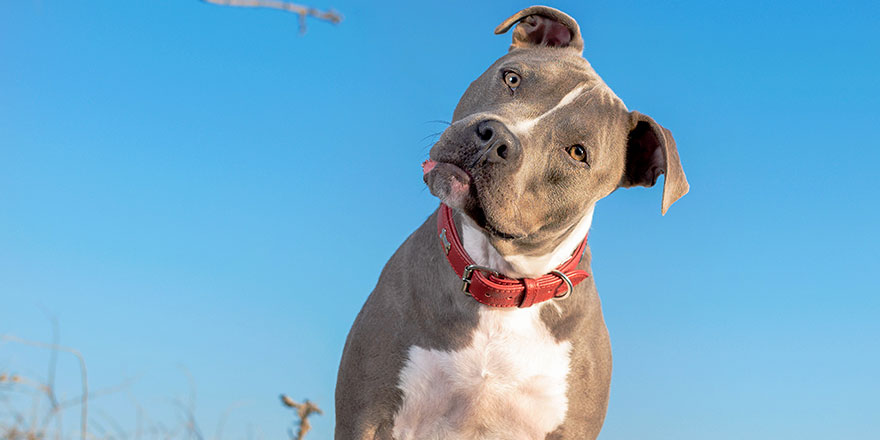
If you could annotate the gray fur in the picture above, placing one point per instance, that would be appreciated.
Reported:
(527, 197)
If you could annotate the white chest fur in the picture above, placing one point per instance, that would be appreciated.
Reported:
(509, 383)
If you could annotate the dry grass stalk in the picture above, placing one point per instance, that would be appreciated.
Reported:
(303, 411)
(49, 390)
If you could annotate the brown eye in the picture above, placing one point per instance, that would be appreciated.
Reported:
(578, 153)
(512, 80)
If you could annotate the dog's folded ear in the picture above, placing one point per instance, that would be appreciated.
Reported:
(543, 26)
(650, 152)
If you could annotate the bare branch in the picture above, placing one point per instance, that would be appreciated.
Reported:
(303, 11)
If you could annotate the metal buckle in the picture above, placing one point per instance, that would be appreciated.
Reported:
(466, 277)
(567, 283)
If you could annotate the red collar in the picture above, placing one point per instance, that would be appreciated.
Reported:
(496, 290)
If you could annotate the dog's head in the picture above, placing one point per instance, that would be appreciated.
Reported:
(538, 138)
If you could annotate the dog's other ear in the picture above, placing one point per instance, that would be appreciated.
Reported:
(543, 26)
(650, 152)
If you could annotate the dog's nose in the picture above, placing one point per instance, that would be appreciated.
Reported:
(497, 142)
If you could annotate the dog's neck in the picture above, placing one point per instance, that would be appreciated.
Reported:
(483, 253)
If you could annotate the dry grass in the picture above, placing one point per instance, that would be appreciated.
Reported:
(31, 410)
(303, 412)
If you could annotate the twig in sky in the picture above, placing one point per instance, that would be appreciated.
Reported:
(303, 11)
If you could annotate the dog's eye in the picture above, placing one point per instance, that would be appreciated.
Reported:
(512, 80)
(578, 153)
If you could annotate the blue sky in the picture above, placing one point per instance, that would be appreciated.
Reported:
(178, 181)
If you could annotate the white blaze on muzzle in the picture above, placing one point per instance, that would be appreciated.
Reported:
(521, 128)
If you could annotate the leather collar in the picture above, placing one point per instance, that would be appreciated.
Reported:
(496, 290)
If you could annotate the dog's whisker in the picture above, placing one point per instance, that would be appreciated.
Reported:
(437, 134)
(438, 121)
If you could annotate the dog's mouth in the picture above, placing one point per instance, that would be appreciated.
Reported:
(450, 183)
(502, 235)
(454, 186)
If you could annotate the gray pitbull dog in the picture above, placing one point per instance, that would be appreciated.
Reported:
(535, 142)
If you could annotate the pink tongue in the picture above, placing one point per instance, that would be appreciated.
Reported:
(427, 166)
